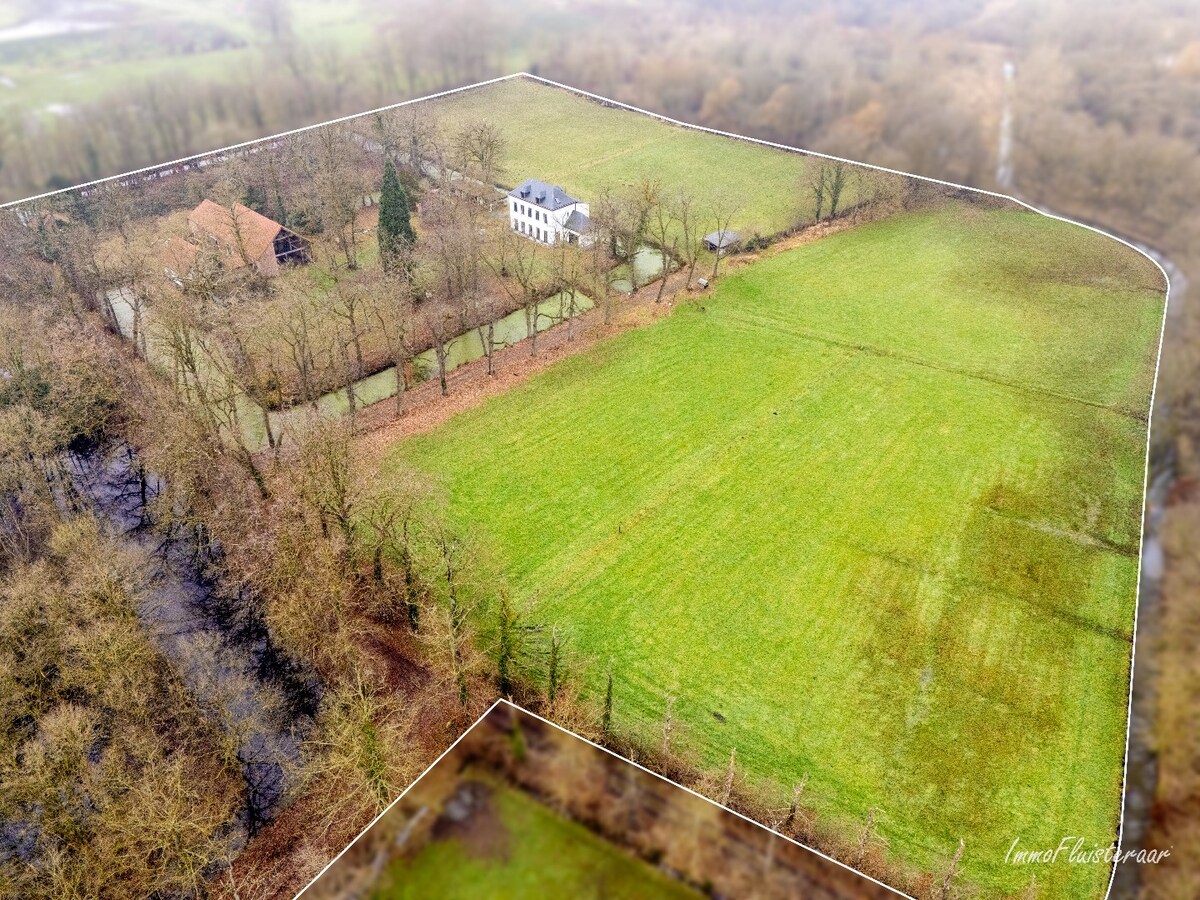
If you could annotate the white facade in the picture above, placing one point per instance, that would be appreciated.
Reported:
(546, 214)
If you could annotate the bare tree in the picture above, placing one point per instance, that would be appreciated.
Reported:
(727, 790)
(479, 152)
(952, 872)
(817, 184)
(392, 307)
(722, 211)
(603, 241)
(516, 262)
(864, 839)
(409, 137)
(331, 159)
(837, 172)
(667, 724)
(569, 274)
(687, 215)
(663, 230)
(440, 325)
(450, 550)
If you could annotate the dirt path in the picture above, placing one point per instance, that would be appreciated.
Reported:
(425, 408)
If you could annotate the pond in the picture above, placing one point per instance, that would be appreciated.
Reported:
(648, 264)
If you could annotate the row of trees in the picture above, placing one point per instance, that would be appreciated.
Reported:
(407, 627)
(290, 340)
(407, 622)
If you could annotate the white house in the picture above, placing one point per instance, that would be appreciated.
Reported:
(547, 213)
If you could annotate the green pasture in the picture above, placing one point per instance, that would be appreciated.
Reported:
(533, 852)
(869, 512)
(584, 146)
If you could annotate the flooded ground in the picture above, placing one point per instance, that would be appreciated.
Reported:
(70, 18)
(215, 636)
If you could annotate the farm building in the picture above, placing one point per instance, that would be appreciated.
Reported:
(179, 259)
(721, 241)
(546, 213)
(248, 238)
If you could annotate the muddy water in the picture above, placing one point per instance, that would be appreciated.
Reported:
(216, 637)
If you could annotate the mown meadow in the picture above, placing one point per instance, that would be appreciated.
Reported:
(585, 146)
(869, 513)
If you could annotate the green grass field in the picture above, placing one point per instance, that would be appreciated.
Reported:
(593, 146)
(539, 854)
(876, 503)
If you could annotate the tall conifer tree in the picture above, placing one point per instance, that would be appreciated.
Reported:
(395, 226)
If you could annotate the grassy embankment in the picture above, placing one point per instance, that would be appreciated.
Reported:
(876, 503)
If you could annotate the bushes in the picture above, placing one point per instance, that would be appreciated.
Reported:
(111, 770)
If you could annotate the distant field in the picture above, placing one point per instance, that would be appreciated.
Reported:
(875, 503)
(525, 850)
(144, 44)
(583, 146)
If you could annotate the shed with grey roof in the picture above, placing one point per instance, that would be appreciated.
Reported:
(720, 241)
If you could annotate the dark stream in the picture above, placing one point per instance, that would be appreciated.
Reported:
(214, 634)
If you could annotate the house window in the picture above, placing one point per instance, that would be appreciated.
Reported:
(514, 223)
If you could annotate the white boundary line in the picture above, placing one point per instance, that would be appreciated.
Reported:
(639, 766)
(727, 134)
(400, 797)
(271, 137)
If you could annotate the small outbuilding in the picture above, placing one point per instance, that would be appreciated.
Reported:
(721, 241)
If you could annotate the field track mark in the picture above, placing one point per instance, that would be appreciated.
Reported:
(956, 580)
(617, 154)
(1078, 537)
(803, 334)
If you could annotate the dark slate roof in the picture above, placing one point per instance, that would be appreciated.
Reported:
(722, 239)
(577, 222)
(539, 193)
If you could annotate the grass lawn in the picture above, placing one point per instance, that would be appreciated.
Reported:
(592, 146)
(876, 503)
(537, 854)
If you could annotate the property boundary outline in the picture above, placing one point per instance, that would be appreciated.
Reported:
(777, 146)
(506, 702)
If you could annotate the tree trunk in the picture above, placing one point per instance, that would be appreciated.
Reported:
(399, 387)
(662, 280)
(440, 352)
(531, 323)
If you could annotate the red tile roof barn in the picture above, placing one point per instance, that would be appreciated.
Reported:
(179, 256)
(256, 232)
